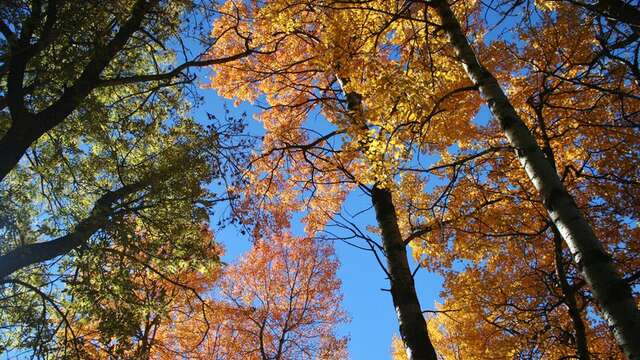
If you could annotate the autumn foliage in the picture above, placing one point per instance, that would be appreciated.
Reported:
(497, 144)
(405, 114)
(280, 301)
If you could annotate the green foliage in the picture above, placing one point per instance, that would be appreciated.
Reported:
(128, 132)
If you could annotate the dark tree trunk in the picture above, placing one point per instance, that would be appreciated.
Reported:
(27, 127)
(13, 145)
(569, 294)
(413, 327)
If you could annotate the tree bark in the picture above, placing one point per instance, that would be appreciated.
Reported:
(413, 327)
(13, 144)
(609, 289)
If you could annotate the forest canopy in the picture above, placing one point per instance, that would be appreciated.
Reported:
(493, 143)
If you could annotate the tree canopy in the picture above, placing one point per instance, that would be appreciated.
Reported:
(497, 144)
(105, 175)
(401, 82)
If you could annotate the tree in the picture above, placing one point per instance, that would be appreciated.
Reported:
(315, 69)
(101, 46)
(121, 297)
(612, 292)
(280, 301)
(573, 104)
(98, 148)
(113, 180)
(154, 216)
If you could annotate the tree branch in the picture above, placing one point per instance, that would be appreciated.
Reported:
(27, 255)
(171, 74)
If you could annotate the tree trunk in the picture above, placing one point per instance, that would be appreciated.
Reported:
(609, 289)
(413, 327)
(26, 127)
(570, 299)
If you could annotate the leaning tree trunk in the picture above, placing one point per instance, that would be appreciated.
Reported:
(413, 327)
(31, 254)
(609, 289)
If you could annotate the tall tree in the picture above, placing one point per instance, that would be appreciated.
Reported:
(98, 148)
(582, 117)
(153, 216)
(417, 98)
(612, 292)
(357, 83)
(59, 56)
(413, 327)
